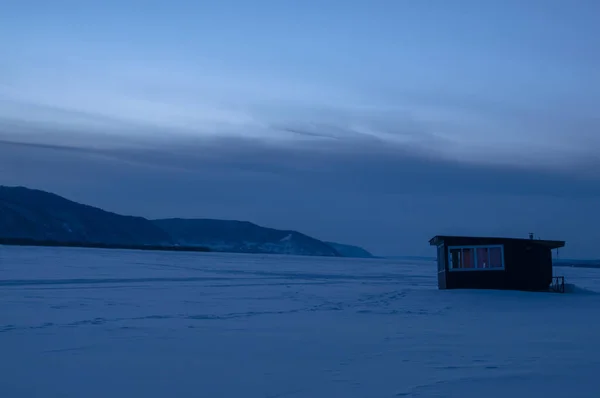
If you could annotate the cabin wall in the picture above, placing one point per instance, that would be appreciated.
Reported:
(476, 280)
(527, 266)
(441, 263)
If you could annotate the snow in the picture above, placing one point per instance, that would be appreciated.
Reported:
(111, 323)
(286, 238)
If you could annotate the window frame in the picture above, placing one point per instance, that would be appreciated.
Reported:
(474, 248)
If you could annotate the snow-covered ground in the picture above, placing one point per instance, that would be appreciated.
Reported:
(110, 323)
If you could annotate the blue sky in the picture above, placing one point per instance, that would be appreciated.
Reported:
(342, 115)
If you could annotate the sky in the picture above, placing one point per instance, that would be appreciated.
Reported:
(377, 123)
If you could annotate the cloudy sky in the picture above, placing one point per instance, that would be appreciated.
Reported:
(378, 123)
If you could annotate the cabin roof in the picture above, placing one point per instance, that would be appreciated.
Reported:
(551, 244)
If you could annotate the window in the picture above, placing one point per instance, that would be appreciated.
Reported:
(483, 258)
(455, 258)
(496, 257)
(468, 257)
(476, 258)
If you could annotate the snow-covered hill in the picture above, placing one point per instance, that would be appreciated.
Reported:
(42, 216)
(242, 237)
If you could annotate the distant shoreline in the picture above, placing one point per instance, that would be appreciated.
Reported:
(90, 245)
(577, 263)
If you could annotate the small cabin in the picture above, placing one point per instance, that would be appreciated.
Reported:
(495, 263)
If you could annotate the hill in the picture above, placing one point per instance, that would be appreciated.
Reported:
(350, 250)
(28, 216)
(43, 216)
(242, 237)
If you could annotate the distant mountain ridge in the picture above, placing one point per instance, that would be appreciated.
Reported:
(37, 215)
(350, 250)
(242, 237)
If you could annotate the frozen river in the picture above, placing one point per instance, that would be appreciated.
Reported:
(109, 323)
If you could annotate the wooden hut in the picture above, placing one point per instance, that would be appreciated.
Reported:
(495, 263)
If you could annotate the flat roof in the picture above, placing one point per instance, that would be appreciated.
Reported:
(551, 244)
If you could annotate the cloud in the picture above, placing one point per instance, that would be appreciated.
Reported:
(325, 155)
(382, 141)
(389, 197)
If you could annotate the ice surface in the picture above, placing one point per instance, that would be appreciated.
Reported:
(109, 323)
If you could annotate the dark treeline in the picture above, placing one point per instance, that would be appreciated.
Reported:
(91, 245)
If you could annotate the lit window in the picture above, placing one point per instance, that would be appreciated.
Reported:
(468, 258)
(476, 258)
(483, 258)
